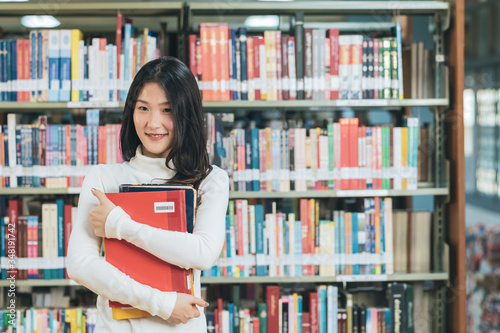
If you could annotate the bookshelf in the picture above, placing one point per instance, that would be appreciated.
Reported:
(448, 192)
(258, 279)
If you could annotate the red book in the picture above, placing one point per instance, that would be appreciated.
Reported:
(306, 323)
(256, 66)
(11, 231)
(333, 34)
(159, 209)
(192, 53)
(67, 231)
(313, 312)
(273, 296)
(256, 324)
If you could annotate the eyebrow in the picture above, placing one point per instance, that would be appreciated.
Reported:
(143, 101)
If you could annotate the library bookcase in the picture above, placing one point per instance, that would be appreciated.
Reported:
(447, 188)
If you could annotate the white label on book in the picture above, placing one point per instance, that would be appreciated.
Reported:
(188, 281)
(164, 207)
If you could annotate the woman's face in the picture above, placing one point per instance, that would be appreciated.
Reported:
(154, 122)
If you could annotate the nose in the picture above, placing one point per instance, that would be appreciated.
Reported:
(155, 119)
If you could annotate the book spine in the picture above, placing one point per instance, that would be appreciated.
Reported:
(299, 51)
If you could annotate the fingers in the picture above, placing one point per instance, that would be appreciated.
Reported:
(99, 195)
(199, 302)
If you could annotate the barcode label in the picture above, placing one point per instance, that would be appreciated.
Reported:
(164, 207)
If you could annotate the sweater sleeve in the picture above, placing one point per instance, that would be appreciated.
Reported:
(86, 267)
(198, 250)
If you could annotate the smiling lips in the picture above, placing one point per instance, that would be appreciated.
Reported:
(156, 136)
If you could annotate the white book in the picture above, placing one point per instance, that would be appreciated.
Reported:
(331, 309)
(389, 266)
(291, 242)
(263, 70)
(397, 159)
(11, 132)
(54, 62)
(271, 234)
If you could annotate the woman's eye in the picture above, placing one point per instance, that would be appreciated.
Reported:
(167, 110)
(143, 108)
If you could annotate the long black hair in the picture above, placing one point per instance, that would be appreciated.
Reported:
(189, 151)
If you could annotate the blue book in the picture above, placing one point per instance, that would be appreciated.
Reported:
(65, 65)
(298, 246)
(233, 64)
(382, 231)
(248, 160)
(255, 159)
(230, 308)
(2, 248)
(242, 32)
(7, 70)
(54, 63)
(18, 153)
(33, 65)
(228, 245)
(260, 270)
(355, 241)
(298, 324)
(60, 236)
(126, 65)
(322, 310)
(388, 320)
(111, 69)
(210, 319)
(13, 73)
(3, 68)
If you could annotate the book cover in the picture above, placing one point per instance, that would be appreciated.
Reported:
(160, 209)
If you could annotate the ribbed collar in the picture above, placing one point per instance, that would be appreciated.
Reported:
(155, 167)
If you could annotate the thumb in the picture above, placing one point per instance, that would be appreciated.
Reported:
(99, 195)
(199, 302)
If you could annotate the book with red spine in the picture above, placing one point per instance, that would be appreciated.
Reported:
(273, 297)
(159, 209)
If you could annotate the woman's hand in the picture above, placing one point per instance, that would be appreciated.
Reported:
(185, 309)
(99, 214)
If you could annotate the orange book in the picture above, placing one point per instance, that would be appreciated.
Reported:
(160, 209)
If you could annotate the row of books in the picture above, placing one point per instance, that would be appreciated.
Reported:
(31, 237)
(325, 309)
(374, 241)
(60, 66)
(314, 64)
(344, 156)
(50, 320)
(53, 156)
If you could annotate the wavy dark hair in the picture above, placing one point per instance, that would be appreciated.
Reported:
(189, 151)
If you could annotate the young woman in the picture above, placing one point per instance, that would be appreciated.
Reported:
(162, 138)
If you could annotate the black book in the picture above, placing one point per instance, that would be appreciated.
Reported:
(299, 53)
(398, 307)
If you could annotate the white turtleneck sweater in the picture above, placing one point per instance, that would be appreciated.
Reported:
(198, 250)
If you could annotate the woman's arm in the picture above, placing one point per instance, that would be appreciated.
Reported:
(87, 268)
(197, 250)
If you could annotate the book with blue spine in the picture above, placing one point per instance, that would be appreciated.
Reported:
(228, 245)
(259, 240)
(355, 240)
(255, 159)
(54, 63)
(234, 83)
(298, 246)
(60, 235)
(13, 72)
(65, 65)
(242, 32)
(322, 309)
